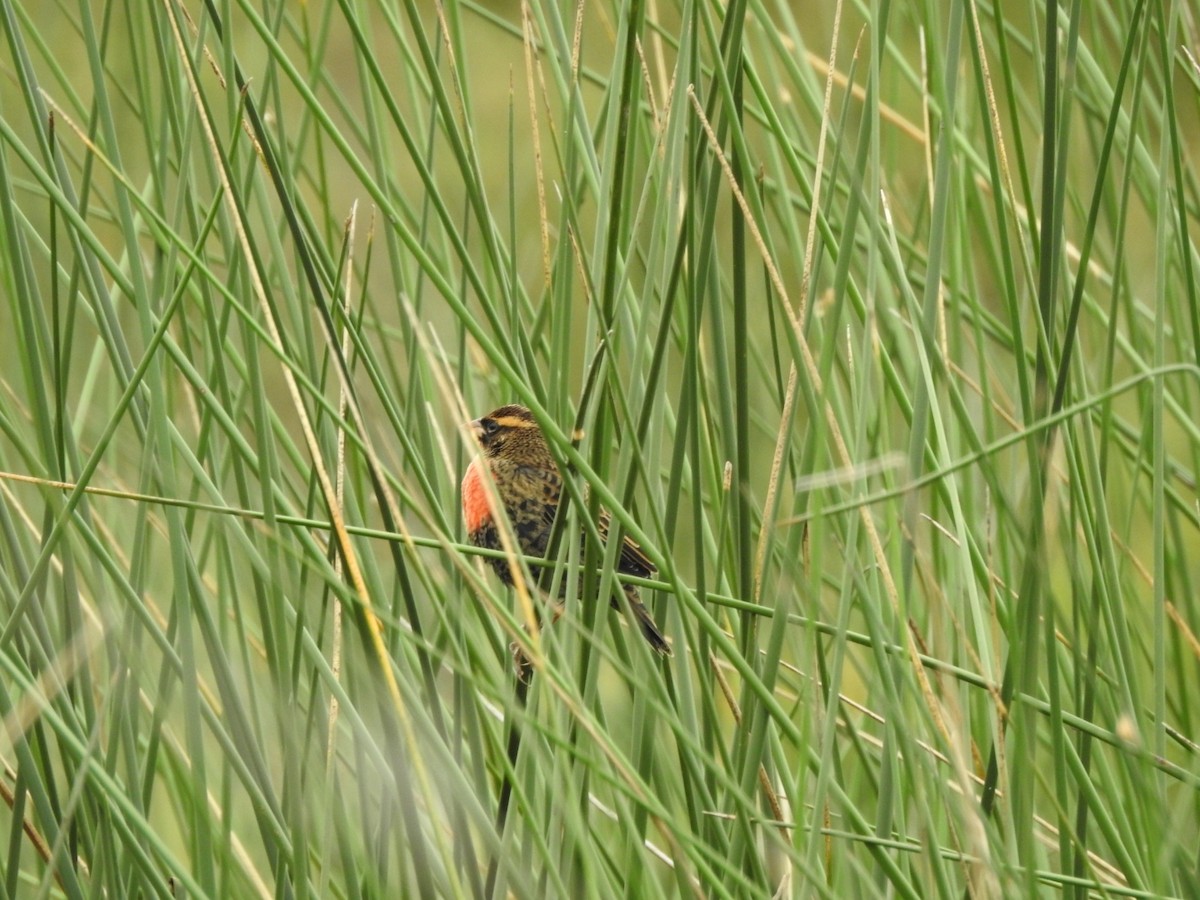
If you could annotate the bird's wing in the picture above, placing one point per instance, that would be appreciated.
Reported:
(632, 560)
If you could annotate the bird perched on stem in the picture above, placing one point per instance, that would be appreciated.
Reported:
(528, 485)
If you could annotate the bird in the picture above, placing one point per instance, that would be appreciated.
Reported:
(528, 485)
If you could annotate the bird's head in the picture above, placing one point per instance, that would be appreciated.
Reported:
(511, 434)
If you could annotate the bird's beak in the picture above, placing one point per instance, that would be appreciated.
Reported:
(476, 427)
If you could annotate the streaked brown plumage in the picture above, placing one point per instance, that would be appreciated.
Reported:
(528, 484)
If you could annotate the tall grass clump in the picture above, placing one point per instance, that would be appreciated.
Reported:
(875, 325)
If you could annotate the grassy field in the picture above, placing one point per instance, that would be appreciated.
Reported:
(875, 325)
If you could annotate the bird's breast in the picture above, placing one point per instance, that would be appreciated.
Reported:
(477, 509)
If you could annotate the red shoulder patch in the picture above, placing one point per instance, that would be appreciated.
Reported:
(477, 511)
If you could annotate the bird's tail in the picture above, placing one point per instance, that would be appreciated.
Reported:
(646, 622)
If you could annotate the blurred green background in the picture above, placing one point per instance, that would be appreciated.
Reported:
(875, 325)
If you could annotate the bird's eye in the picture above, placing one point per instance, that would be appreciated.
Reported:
(490, 426)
